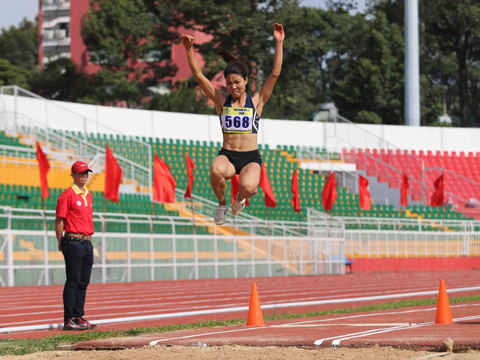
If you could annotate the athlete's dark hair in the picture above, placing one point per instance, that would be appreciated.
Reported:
(235, 65)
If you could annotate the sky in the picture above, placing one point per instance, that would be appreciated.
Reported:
(12, 12)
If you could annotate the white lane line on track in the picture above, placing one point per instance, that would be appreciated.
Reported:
(91, 305)
(170, 300)
(264, 291)
(150, 294)
(13, 324)
(339, 338)
(452, 281)
(235, 309)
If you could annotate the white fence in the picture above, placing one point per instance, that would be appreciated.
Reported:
(404, 244)
(402, 237)
(165, 248)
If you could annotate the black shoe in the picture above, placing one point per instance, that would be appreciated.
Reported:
(72, 325)
(82, 322)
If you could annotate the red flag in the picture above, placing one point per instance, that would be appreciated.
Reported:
(235, 183)
(364, 191)
(437, 196)
(44, 168)
(190, 167)
(267, 189)
(163, 182)
(329, 192)
(404, 190)
(113, 177)
(294, 189)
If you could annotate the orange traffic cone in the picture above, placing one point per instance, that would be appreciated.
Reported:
(444, 315)
(255, 317)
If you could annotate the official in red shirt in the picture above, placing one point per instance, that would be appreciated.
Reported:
(74, 230)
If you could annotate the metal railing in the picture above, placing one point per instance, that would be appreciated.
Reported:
(461, 182)
(348, 135)
(67, 146)
(401, 238)
(405, 244)
(346, 179)
(147, 248)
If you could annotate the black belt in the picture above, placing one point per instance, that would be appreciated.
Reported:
(78, 236)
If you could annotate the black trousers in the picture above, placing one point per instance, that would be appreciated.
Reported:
(78, 255)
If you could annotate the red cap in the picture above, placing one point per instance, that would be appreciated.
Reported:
(79, 167)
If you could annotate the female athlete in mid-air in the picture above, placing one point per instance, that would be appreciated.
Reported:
(239, 117)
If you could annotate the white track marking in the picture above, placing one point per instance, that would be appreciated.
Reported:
(112, 295)
(336, 342)
(359, 334)
(168, 301)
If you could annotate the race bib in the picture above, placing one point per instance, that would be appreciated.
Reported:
(237, 120)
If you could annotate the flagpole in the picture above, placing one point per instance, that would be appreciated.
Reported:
(268, 221)
(193, 216)
(104, 212)
(153, 215)
(46, 231)
(329, 222)
(299, 227)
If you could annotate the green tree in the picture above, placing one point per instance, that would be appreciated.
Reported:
(19, 45)
(13, 75)
(131, 41)
(240, 27)
(455, 25)
(185, 98)
(61, 80)
(369, 68)
(305, 79)
(245, 28)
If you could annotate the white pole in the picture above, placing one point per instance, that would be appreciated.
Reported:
(412, 77)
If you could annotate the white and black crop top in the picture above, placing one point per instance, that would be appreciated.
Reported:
(244, 120)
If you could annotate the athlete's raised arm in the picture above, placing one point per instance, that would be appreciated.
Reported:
(209, 90)
(267, 88)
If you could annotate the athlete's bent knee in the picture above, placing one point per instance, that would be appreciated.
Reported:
(248, 190)
(217, 172)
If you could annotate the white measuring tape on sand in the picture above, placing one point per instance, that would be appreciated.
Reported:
(237, 309)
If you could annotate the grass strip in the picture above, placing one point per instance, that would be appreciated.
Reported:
(28, 346)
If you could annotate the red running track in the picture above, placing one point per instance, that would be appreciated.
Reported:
(26, 306)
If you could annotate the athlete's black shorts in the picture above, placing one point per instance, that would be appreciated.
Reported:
(240, 159)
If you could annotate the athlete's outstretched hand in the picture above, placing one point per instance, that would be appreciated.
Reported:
(187, 41)
(278, 33)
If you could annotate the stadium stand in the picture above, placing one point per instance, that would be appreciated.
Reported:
(462, 171)
(280, 163)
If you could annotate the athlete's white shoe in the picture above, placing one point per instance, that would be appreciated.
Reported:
(221, 214)
(238, 206)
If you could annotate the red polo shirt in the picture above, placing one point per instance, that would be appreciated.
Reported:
(76, 208)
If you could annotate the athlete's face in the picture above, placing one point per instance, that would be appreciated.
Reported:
(236, 84)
